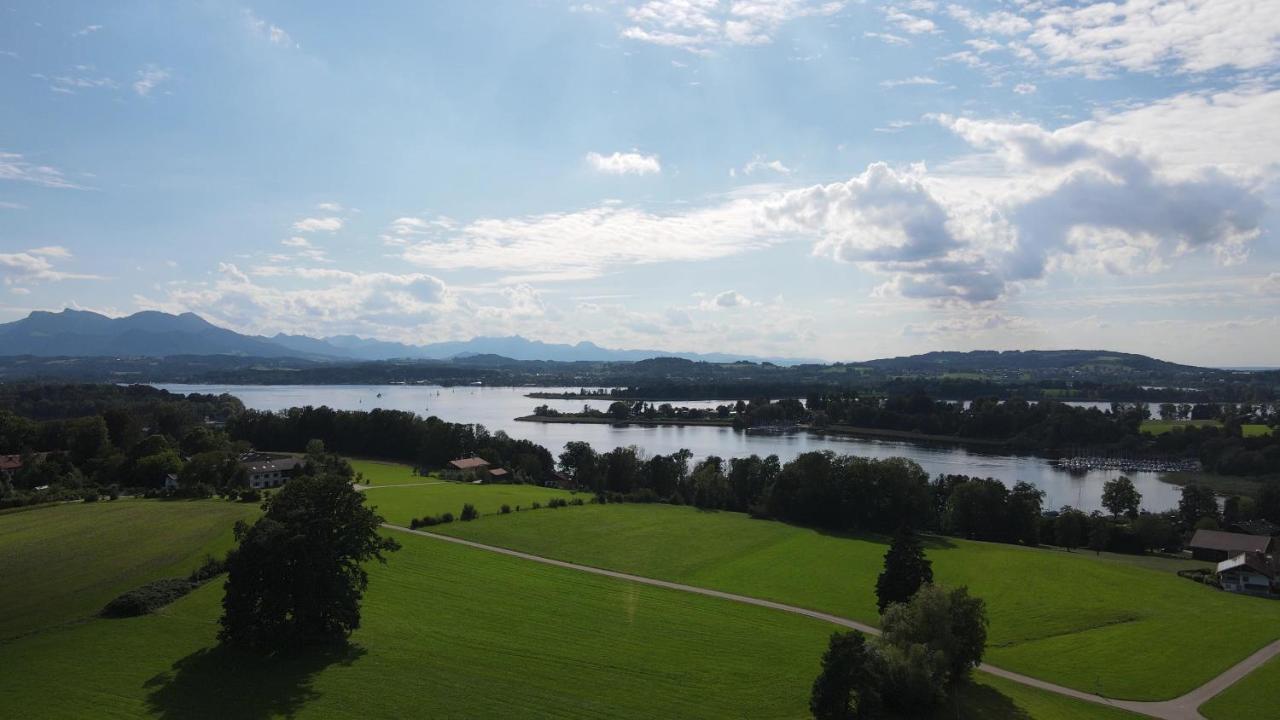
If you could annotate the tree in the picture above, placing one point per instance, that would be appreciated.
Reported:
(1155, 532)
(847, 687)
(1197, 502)
(906, 569)
(1070, 528)
(296, 575)
(950, 622)
(1026, 504)
(1120, 497)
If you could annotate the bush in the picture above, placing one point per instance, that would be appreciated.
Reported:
(90, 496)
(554, 503)
(506, 510)
(148, 598)
(576, 501)
(211, 567)
(469, 513)
(537, 505)
(250, 496)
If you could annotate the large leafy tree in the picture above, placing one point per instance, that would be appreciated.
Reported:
(951, 623)
(848, 686)
(296, 576)
(1120, 497)
(1197, 502)
(906, 569)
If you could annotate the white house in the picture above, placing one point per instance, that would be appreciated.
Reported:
(271, 473)
(1249, 573)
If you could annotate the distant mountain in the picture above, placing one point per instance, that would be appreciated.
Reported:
(78, 333)
(1096, 362)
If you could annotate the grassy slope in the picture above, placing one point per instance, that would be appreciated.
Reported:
(1160, 427)
(1256, 696)
(378, 472)
(1255, 430)
(400, 504)
(454, 632)
(1098, 624)
(64, 562)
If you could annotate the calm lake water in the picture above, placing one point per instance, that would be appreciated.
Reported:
(497, 408)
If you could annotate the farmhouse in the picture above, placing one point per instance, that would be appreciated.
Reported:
(474, 464)
(498, 474)
(10, 464)
(271, 473)
(1216, 545)
(1250, 573)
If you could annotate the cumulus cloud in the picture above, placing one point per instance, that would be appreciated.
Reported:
(318, 224)
(37, 265)
(86, 30)
(759, 162)
(273, 34)
(727, 300)
(913, 80)
(1024, 88)
(620, 163)
(911, 24)
(887, 38)
(1148, 35)
(1000, 22)
(700, 25)
(969, 325)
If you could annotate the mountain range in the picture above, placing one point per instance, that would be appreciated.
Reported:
(80, 333)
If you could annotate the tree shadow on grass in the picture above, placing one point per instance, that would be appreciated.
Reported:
(929, 541)
(222, 682)
(972, 701)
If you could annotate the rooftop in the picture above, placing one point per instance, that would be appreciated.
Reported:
(473, 463)
(1230, 542)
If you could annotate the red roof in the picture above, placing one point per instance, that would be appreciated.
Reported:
(10, 462)
(497, 472)
(470, 463)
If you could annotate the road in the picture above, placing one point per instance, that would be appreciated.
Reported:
(1185, 707)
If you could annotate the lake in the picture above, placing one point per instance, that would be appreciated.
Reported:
(496, 408)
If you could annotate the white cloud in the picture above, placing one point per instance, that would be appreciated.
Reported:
(912, 24)
(1024, 88)
(759, 162)
(699, 25)
(887, 38)
(1000, 22)
(148, 79)
(968, 325)
(619, 163)
(296, 242)
(86, 30)
(14, 166)
(913, 80)
(36, 265)
(329, 207)
(318, 224)
(271, 32)
(1147, 35)
(727, 300)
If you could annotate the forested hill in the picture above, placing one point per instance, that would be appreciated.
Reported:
(1082, 361)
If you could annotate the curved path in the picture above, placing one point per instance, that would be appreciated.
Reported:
(1184, 707)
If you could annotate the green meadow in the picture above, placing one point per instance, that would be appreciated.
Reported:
(1122, 627)
(379, 472)
(1255, 430)
(1160, 427)
(401, 504)
(1255, 696)
(450, 631)
(62, 563)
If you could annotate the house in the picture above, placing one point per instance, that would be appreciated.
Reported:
(474, 464)
(498, 475)
(1250, 573)
(171, 481)
(1216, 545)
(271, 473)
(10, 464)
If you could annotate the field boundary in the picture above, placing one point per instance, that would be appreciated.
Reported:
(1184, 707)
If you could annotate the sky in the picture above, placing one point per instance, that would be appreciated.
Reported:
(838, 180)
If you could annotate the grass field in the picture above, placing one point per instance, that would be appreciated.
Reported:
(1256, 696)
(401, 504)
(1160, 427)
(455, 632)
(1255, 430)
(378, 472)
(64, 562)
(1105, 625)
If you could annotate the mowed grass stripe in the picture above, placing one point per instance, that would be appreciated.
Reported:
(1100, 625)
(64, 562)
(1257, 695)
(451, 631)
(399, 505)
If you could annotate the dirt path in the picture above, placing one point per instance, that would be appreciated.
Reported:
(1179, 708)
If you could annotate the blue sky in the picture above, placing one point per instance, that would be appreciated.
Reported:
(828, 179)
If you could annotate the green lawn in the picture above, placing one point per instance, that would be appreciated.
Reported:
(64, 562)
(1255, 430)
(378, 472)
(401, 504)
(1256, 696)
(1106, 625)
(1160, 427)
(450, 631)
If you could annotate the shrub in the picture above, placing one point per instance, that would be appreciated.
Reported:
(537, 505)
(446, 517)
(148, 598)
(250, 496)
(469, 513)
(90, 496)
(554, 503)
(209, 569)
(576, 501)
(506, 509)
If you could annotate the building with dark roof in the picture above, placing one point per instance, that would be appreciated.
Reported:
(1216, 545)
(271, 473)
(1249, 573)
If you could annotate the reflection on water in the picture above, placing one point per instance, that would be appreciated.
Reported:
(496, 408)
